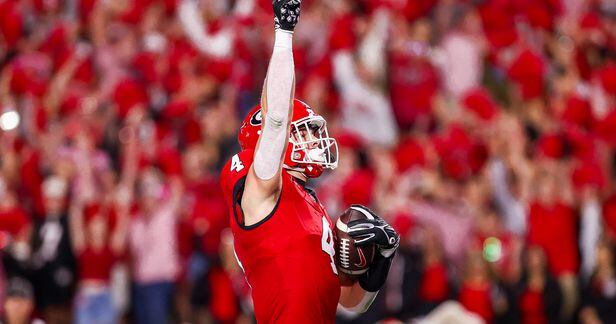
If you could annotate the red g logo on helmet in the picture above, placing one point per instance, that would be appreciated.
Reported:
(256, 119)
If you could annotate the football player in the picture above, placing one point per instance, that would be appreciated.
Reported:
(283, 236)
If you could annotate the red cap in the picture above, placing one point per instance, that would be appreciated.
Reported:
(349, 140)
(91, 211)
(192, 131)
(539, 15)
(127, 95)
(588, 173)
(403, 223)
(460, 155)
(24, 80)
(498, 25)
(358, 188)
(342, 37)
(170, 161)
(606, 128)
(85, 9)
(528, 71)
(607, 75)
(590, 20)
(551, 145)
(11, 22)
(480, 102)
(582, 143)
(409, 153)
(145, 64)
(578, 112)
(177, 109)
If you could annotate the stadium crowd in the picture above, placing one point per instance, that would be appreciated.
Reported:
(484, 130)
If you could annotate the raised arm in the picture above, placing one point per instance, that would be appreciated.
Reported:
(76, 226)
(217, 45)
(264, 181)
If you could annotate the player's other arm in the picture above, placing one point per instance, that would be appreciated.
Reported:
(359, 297)
(264, 181)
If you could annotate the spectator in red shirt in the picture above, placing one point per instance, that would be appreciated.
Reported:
(15, 228)
(479, 293)
(414, 80)
(538, 294)
(97, 243)
(14, 221)
(552, 226)
(434, 287)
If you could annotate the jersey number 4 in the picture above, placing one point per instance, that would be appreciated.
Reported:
(236, 164)
(327, 243)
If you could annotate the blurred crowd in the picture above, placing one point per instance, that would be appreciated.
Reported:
(483, 130)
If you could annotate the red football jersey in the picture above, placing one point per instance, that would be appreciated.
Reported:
(288, 257)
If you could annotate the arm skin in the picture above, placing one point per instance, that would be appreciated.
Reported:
(355, 298)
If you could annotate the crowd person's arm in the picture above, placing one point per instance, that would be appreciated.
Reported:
(511, 209)
(345, 73)
(9, 168)
(384, 166)
(525, 173)
(372, 48)
(83, 165)
(244, 8)
(218, 45)
(117, 240)
(59, 83)
(76, 226)
(375, 107)
(130, 153)
(5, 79)
(589, 315)
(590, 233)
(176, 190)
(561, 171)
(98, 24)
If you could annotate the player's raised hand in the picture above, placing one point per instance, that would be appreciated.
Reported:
(286, 14)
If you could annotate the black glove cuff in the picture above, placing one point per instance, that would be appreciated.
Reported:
(375, 277)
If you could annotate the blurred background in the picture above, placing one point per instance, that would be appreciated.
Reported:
(483, 130)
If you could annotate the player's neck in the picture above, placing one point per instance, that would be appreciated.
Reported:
(298, 175)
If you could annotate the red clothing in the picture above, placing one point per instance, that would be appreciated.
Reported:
(414, 82)
(609, 216)
(477, 299)
(96, 265)
(13, 220)
(434, 285)
(531, 307)
(224, 307)
(288, 256)
(554, 229)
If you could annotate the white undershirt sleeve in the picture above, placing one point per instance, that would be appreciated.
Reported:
(277, 98)
(218, 45)
(362, 306)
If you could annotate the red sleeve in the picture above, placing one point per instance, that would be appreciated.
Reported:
(234, 173)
